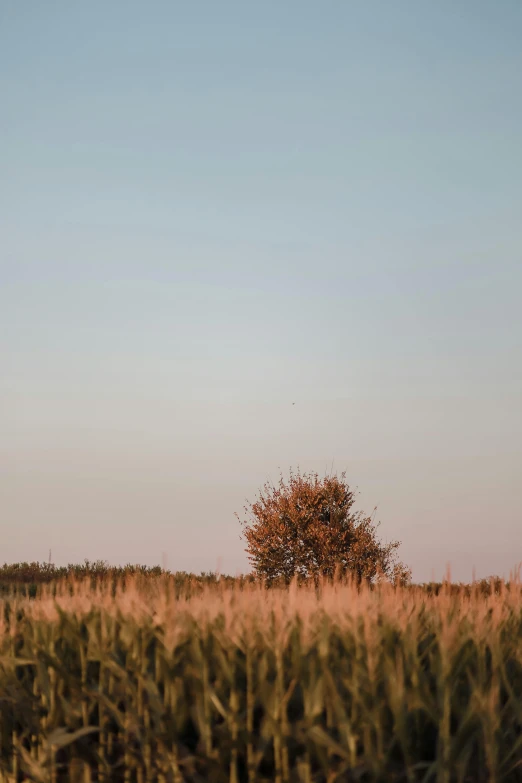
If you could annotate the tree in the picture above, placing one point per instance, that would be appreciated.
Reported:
(307, 527)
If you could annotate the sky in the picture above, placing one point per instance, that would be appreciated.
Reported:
(210, 211)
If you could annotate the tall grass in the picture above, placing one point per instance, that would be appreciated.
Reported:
(153, 679)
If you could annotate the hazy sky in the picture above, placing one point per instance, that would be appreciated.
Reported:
(210, 210)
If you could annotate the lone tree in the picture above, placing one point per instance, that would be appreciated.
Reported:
(306, 527)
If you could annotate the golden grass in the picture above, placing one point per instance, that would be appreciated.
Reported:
(150, 682)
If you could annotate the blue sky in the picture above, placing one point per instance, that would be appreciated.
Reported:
(209, 211)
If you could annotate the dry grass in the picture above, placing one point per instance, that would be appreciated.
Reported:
(150, 682)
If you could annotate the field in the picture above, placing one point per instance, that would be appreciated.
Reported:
(147, 676)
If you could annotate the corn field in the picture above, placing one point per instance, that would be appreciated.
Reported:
(149, 681)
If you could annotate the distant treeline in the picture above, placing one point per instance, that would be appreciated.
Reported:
(29, 579)
(43, 573)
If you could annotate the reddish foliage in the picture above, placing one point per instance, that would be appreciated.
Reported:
(306, 527)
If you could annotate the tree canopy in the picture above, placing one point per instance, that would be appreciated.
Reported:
(307, 527)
